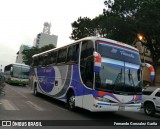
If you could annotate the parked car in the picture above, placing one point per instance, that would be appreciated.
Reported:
(151, 100)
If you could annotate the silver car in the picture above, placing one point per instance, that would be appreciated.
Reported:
(151, 100)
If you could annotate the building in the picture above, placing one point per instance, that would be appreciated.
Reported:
(19, 58)
(146, 58)
(45, 39)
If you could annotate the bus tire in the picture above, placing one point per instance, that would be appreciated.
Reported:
(71, 102)
(35, 92)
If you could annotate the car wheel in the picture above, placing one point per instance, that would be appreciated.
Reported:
(71, 102)
(149, 109)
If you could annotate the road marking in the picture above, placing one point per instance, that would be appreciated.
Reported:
(17, 92)
(8, 105)
(35, 106)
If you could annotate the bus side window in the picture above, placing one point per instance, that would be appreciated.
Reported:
(89, 49)
(83, 50)
(55, 57)
(70, 54)
(45, 59)
(49, 58)
(89, 73)
(62, 55)
(59, 56)
(40, 61)
(35, 61)
(76, 53)
(73, 53)
(86, 63)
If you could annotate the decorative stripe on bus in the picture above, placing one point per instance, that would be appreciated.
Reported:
(119, 63)
(118, 46)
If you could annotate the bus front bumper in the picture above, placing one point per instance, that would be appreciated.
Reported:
(103, 106)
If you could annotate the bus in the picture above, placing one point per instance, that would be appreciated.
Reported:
(17, 74)
(97, 74)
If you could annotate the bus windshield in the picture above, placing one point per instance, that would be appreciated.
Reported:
(20, 72)
(25, 72)
(118, 52)
(120, 70)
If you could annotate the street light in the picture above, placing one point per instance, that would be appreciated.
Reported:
(140, 37)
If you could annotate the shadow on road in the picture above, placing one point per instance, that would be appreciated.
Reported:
(86, 113)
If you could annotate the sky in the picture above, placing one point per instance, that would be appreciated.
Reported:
(22, 20)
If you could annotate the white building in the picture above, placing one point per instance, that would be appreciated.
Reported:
(19, 58)
(45, 39)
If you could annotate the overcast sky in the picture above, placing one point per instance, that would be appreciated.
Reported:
(22, 20)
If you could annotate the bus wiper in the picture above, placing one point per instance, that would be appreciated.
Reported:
(131, 78)
(119, 77)
(118, 80)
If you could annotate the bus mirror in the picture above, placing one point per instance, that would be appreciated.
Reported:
(139, 74)
(97, 62)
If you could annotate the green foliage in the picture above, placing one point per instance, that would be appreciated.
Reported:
(122, 20)
(148, 23)
(83, 27)
(27, 54)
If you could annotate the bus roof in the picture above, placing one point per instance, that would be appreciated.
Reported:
(93, 38)
(18, 64)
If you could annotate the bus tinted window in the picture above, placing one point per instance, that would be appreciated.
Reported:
(40, 60)
(86, 63)
(45, 59)
(53, 57)
(73, 53)
(36, 61)
(83, 49)
(89, 48)
(62, 55)
(70, 54)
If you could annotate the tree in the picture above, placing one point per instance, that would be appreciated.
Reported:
(27, 54)
(144, 15)
(122, 21)
(148, 23)
(83, 27)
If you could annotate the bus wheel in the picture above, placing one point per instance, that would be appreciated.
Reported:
(71, 102)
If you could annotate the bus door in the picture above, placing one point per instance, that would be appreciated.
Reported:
(87, 73)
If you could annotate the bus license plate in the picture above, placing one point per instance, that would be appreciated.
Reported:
(121, 108)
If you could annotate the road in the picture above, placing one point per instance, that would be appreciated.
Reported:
(19, 103)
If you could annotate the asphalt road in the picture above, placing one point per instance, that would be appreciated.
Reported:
(19, 103)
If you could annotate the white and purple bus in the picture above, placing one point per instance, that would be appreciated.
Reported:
(93, 73)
